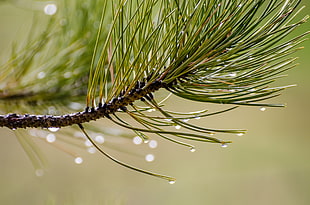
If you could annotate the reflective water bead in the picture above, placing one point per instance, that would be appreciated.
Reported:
(262, 109)
(41, 75)
(153, 144)
(137, 140)
(88, 143)
(91, 150)
(50, 9)
(178, 127)
(224, 145)
(99, 139)
(78, 160)
(240, 134)
(149, 157)
(53, 129)
(192, 149)
(50, 138)
(171, 181)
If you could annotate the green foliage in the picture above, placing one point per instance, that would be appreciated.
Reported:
(224, 52)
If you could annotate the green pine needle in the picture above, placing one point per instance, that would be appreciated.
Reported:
(100, 53)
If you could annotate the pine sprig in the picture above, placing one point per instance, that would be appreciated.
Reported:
(119, 53)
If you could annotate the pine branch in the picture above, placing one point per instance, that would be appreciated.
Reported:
(223, 52)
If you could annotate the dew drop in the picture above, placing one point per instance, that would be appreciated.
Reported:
(224, 145)
(39, 172)
(75, 106)
(192, 149)
(232, 74)
(151, 110)
(262, 109)
(178, 127)
(99, 139)
(197, 118)
(41, 75)
(67, 75)
(153, 144)
(50, 9)
(146, 141)
(149, 157)
(50, 138)
(13, 128)
(53, 129)
(78, 160)
(88, 143)
(185, 120)
(171, 181)
(240, 134)
(137, 140)
(91, 150)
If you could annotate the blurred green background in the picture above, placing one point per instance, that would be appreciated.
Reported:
(268, 165)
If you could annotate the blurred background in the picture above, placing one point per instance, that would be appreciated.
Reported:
(268, 165)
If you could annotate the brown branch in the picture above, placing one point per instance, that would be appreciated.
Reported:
(14, 121)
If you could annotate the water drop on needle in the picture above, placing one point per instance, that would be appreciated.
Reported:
(153, 144)
(99, 139)
(192, 149)
(224, 145)
(78, 160)
(172, 181)
(240, 134)
(50, 138)
(262, 109)
(177, 127)
(50, 9)
(137, 140)
(53, 129)
(149, 157)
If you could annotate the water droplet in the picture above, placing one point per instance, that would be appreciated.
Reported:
(41, 75)
(50, 9)
(149, 157)
(185, 120)
(78, 160)
(39, 172)
(91, 150)
(53, 129)
(99, 139)
(88, 143)
(172, 181)
(146, 141)
(67, 75)
(50, 138)
(224, 145)
(240, 134)
(151, 110)
(75, 106)
(178, 127)
(13, 128)
(137, 140)
(192, 149)
(153, 144)
(232, 74)
(197, 118)
(262, 109)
